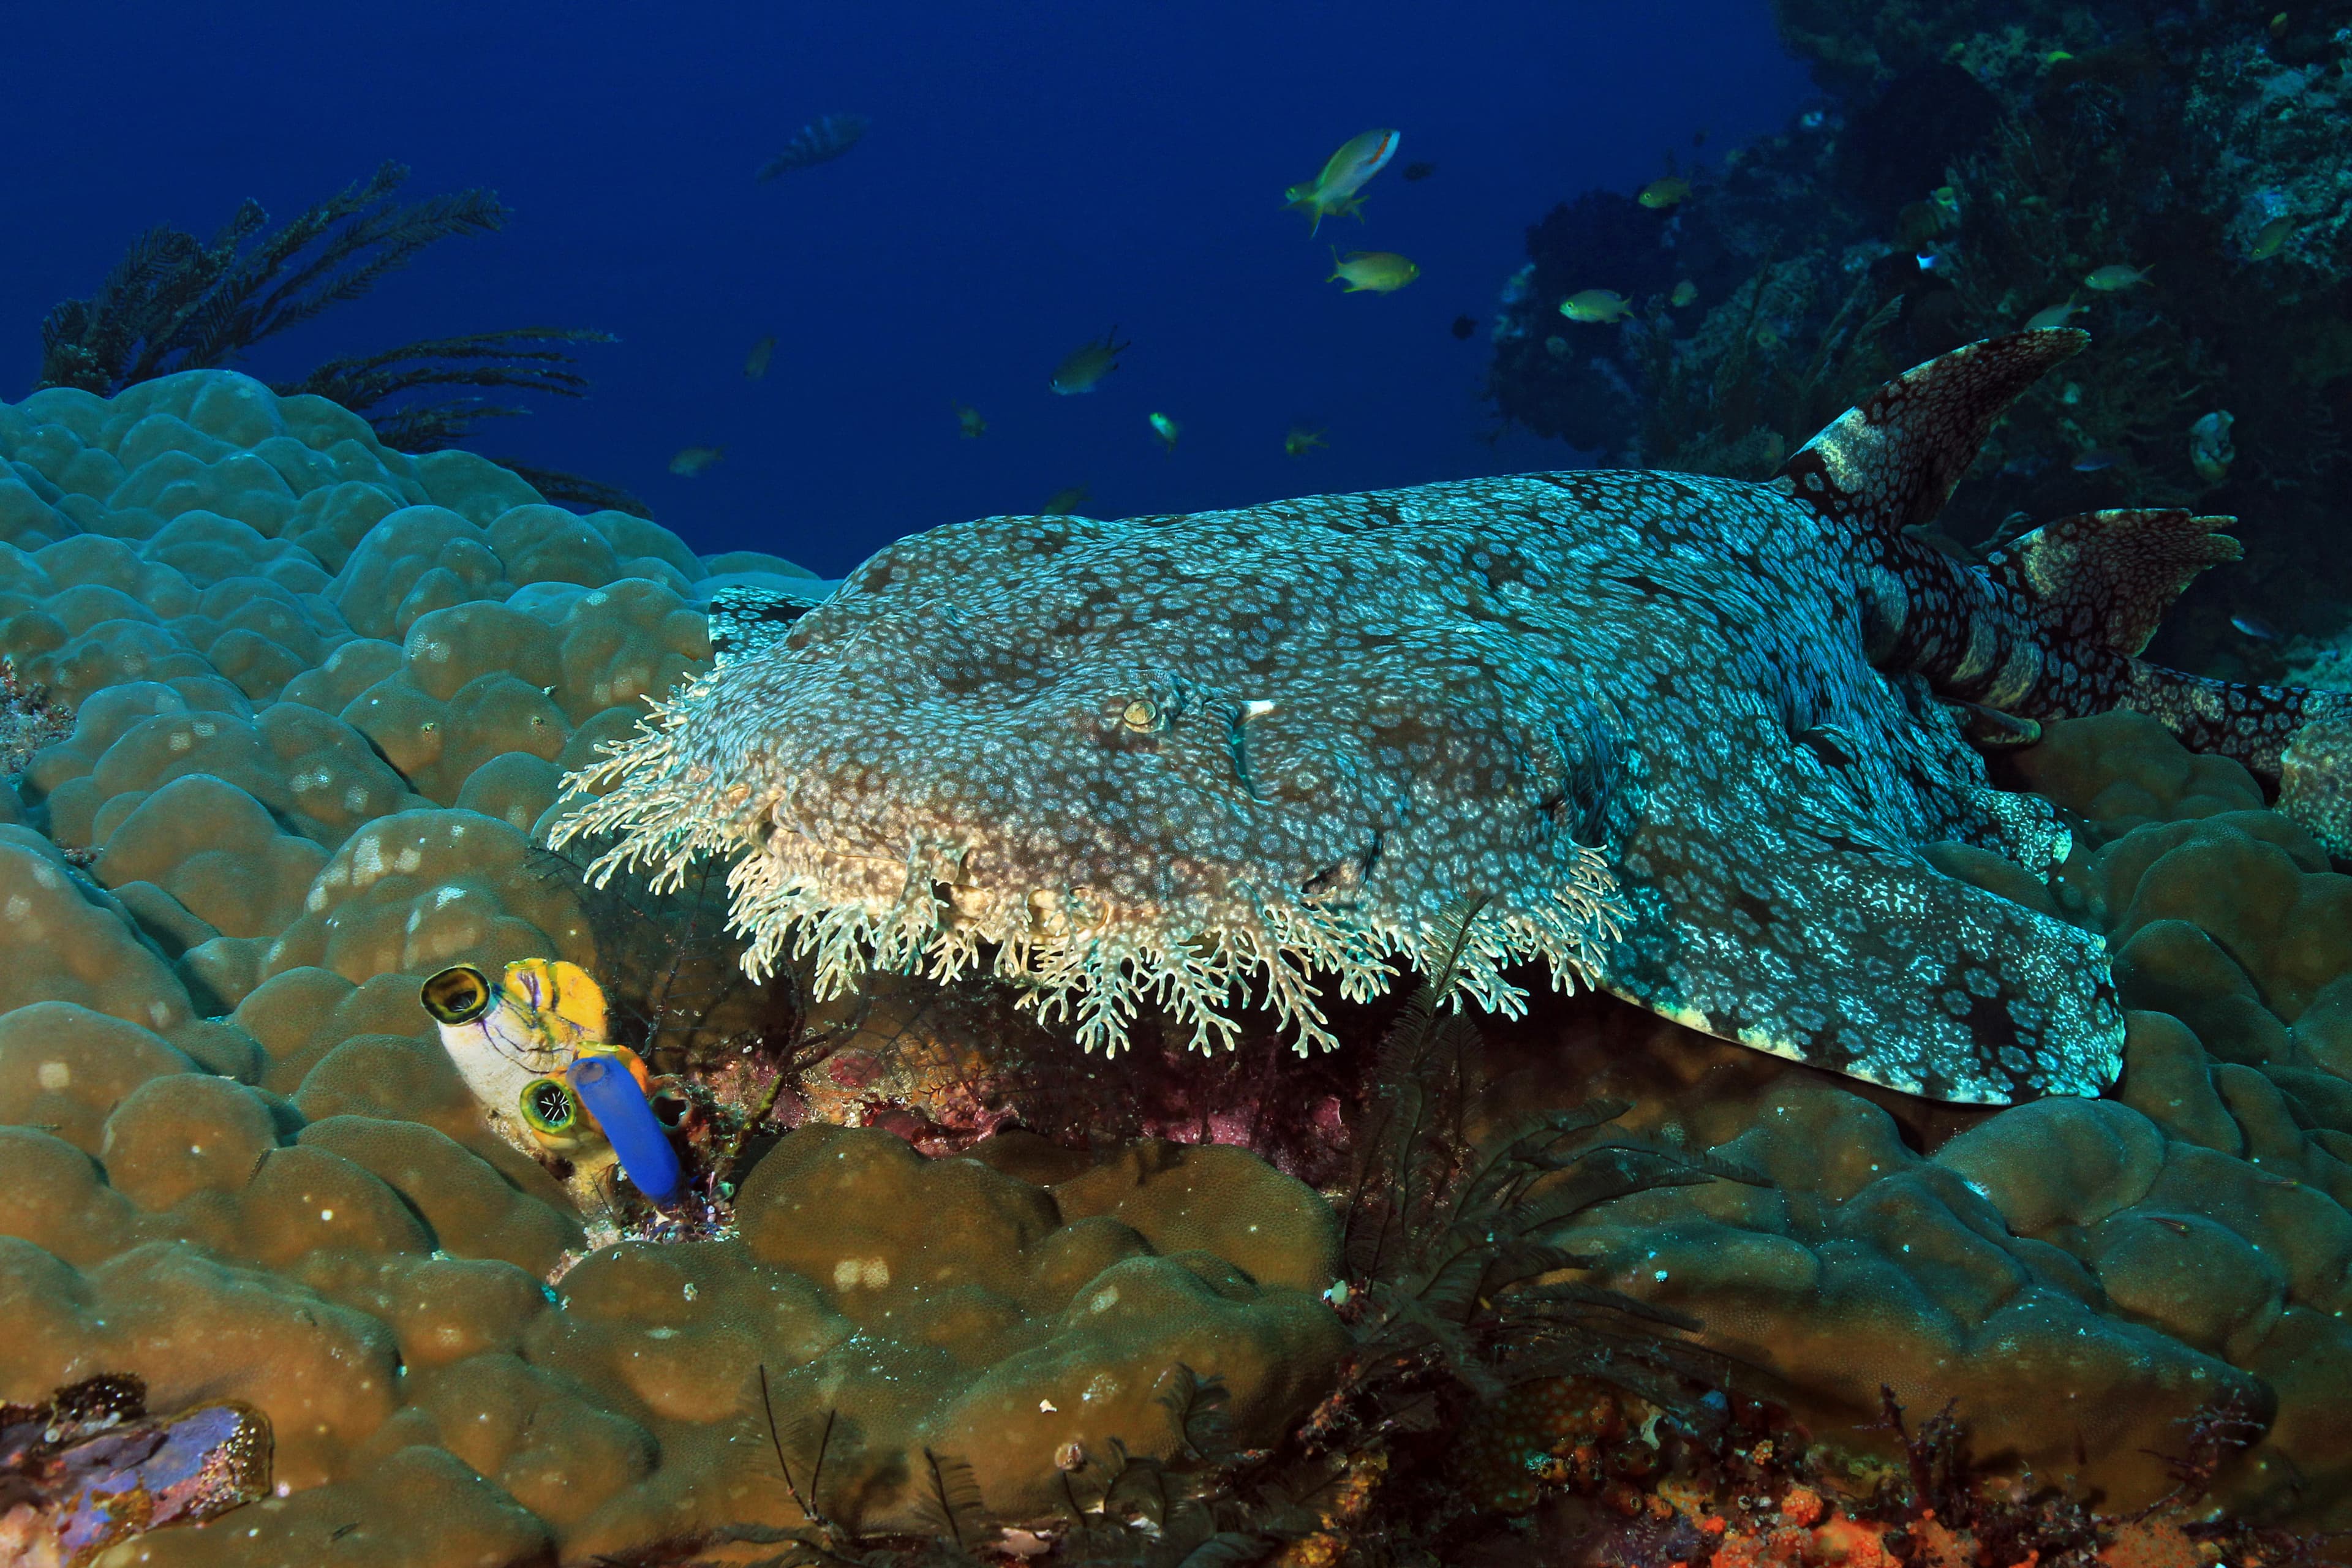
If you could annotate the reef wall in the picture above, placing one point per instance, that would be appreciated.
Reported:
(2168, 177)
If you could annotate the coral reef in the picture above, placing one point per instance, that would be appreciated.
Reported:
(322, 691)
(2164, 177)
(2083, 1278)
(309, 700)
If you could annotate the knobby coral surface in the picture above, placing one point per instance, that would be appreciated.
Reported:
(320, 694)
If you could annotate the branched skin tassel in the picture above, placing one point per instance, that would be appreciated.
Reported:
(1685, 737)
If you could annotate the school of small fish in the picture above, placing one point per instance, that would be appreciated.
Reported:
(1339, 189)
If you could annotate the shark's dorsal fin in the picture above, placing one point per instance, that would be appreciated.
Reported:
(2107, 577)
(1890, 462)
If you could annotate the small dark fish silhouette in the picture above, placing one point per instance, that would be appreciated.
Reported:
(1464, 326)
(1419, 171)
(2091, 462)
(821, 140)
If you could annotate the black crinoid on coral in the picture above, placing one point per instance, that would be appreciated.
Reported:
(176, 302)
(523, 359)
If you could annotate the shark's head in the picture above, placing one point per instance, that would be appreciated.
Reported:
(1194, 759)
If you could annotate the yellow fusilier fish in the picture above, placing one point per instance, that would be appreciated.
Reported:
(2271, 237)
(1372, 271)
(1684, 292)
(692, 460)
(1333, 190)
(1068, 500)
(1167, 429)
(973, 426)
(2108, 279)
(1301, 440)
(1659, 194)
(2053, 316)
(1086, 364)
(1602, 305)
(755, 363)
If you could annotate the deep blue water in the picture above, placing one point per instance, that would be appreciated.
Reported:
(1033, 175)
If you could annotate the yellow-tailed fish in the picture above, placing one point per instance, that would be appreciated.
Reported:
(1333, 190)
(1664, 193)
(2110, 279)
(1684, 292)
(692, 460)
(1372, 271)
(2053, 316)
(1167, 429)
(755, 363)
(1064, 502)
(1086, 364)
(974, 427)
(1600, 305)
(1301, 440)
(2271, 237)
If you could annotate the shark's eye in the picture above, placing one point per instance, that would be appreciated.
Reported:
(1139, 714)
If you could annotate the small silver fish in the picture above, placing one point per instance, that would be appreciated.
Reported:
(2091, 462)
(2255, 628)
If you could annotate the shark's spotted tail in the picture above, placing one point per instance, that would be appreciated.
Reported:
(2052, 625)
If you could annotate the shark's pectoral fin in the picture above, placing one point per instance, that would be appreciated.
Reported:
(1770, 910)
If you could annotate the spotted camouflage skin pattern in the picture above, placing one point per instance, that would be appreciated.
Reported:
(1298, 734)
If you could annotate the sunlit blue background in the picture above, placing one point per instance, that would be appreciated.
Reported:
(1033, 175)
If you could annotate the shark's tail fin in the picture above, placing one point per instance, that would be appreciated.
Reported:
(2107, 577)
(1890, 462)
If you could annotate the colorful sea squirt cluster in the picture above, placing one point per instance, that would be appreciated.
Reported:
(1687, 736)
(532, 1048)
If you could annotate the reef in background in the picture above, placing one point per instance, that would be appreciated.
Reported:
(2170, 180)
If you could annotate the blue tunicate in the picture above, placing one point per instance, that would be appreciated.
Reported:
(612, 1095)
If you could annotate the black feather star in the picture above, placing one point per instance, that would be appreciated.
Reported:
(175, 302)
